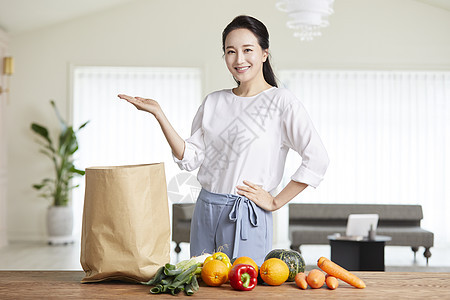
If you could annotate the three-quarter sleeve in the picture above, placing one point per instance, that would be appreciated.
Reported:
(299, 134)
(194, 146)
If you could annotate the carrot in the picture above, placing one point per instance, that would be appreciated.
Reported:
(319, 262)
(300, 281)
(337, 271)
(332, 282)
(315, 279)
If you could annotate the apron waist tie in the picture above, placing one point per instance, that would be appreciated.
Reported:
(241, 206)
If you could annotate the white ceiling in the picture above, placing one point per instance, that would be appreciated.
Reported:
(18, 16)
(444, 4)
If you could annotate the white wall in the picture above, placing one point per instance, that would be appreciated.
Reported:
(4, 40)
(364, 34)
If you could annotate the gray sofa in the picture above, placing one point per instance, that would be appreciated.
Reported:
(310, 224)
(181, 223)
(313, 223)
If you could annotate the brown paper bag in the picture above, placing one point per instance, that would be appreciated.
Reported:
(126, 229)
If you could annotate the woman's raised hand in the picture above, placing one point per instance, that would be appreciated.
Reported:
(151, 106)
(148, 105)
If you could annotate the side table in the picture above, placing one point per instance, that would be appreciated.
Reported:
(358, 254)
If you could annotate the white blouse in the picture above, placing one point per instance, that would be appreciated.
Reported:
(247, 138)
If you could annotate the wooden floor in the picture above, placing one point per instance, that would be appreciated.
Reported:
(66, 285)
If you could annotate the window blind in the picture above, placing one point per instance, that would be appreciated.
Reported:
(388, 137)
(119, 134)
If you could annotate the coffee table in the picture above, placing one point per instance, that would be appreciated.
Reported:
(358, 254)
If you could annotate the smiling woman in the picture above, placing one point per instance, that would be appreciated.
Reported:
(246, 44)
(239, 141)
(244, 60)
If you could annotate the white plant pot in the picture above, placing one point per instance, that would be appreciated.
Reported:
(60, 225)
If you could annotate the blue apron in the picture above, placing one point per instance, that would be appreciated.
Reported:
(232, 224)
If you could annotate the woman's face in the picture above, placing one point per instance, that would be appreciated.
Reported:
(244, 56)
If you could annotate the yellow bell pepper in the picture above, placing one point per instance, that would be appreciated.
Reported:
(220, 256)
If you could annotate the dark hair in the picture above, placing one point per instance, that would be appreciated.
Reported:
(261, 33)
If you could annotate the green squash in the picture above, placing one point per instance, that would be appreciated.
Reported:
(293, 259)
(232, 260)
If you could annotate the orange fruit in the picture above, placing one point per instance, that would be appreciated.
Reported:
(215, 273)
(246, 260)
(274, 271)
(315, 278)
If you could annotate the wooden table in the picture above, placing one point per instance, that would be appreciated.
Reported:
(66, 285)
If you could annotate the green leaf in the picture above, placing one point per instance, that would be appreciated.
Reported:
(62, 123)
(73, 187)
(42, 131)
(44, 183)
(38, 186)
(83, 125)
(46, 153)
(68, 142)
(73, 148)
(74, 170)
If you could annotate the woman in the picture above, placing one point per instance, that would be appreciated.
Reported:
(240, 139)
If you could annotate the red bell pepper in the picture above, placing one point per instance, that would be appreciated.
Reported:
(243, 277)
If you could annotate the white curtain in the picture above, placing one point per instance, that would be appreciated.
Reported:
(119, 134)
(387, 135)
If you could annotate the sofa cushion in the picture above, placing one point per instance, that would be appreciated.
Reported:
(341, 211)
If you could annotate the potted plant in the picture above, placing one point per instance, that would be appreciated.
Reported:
(59, 213)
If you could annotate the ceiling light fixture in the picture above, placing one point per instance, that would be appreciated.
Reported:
(306, 17)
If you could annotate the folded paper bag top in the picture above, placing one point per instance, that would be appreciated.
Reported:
(126, 227)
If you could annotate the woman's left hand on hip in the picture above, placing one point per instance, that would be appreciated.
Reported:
(257, 194)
